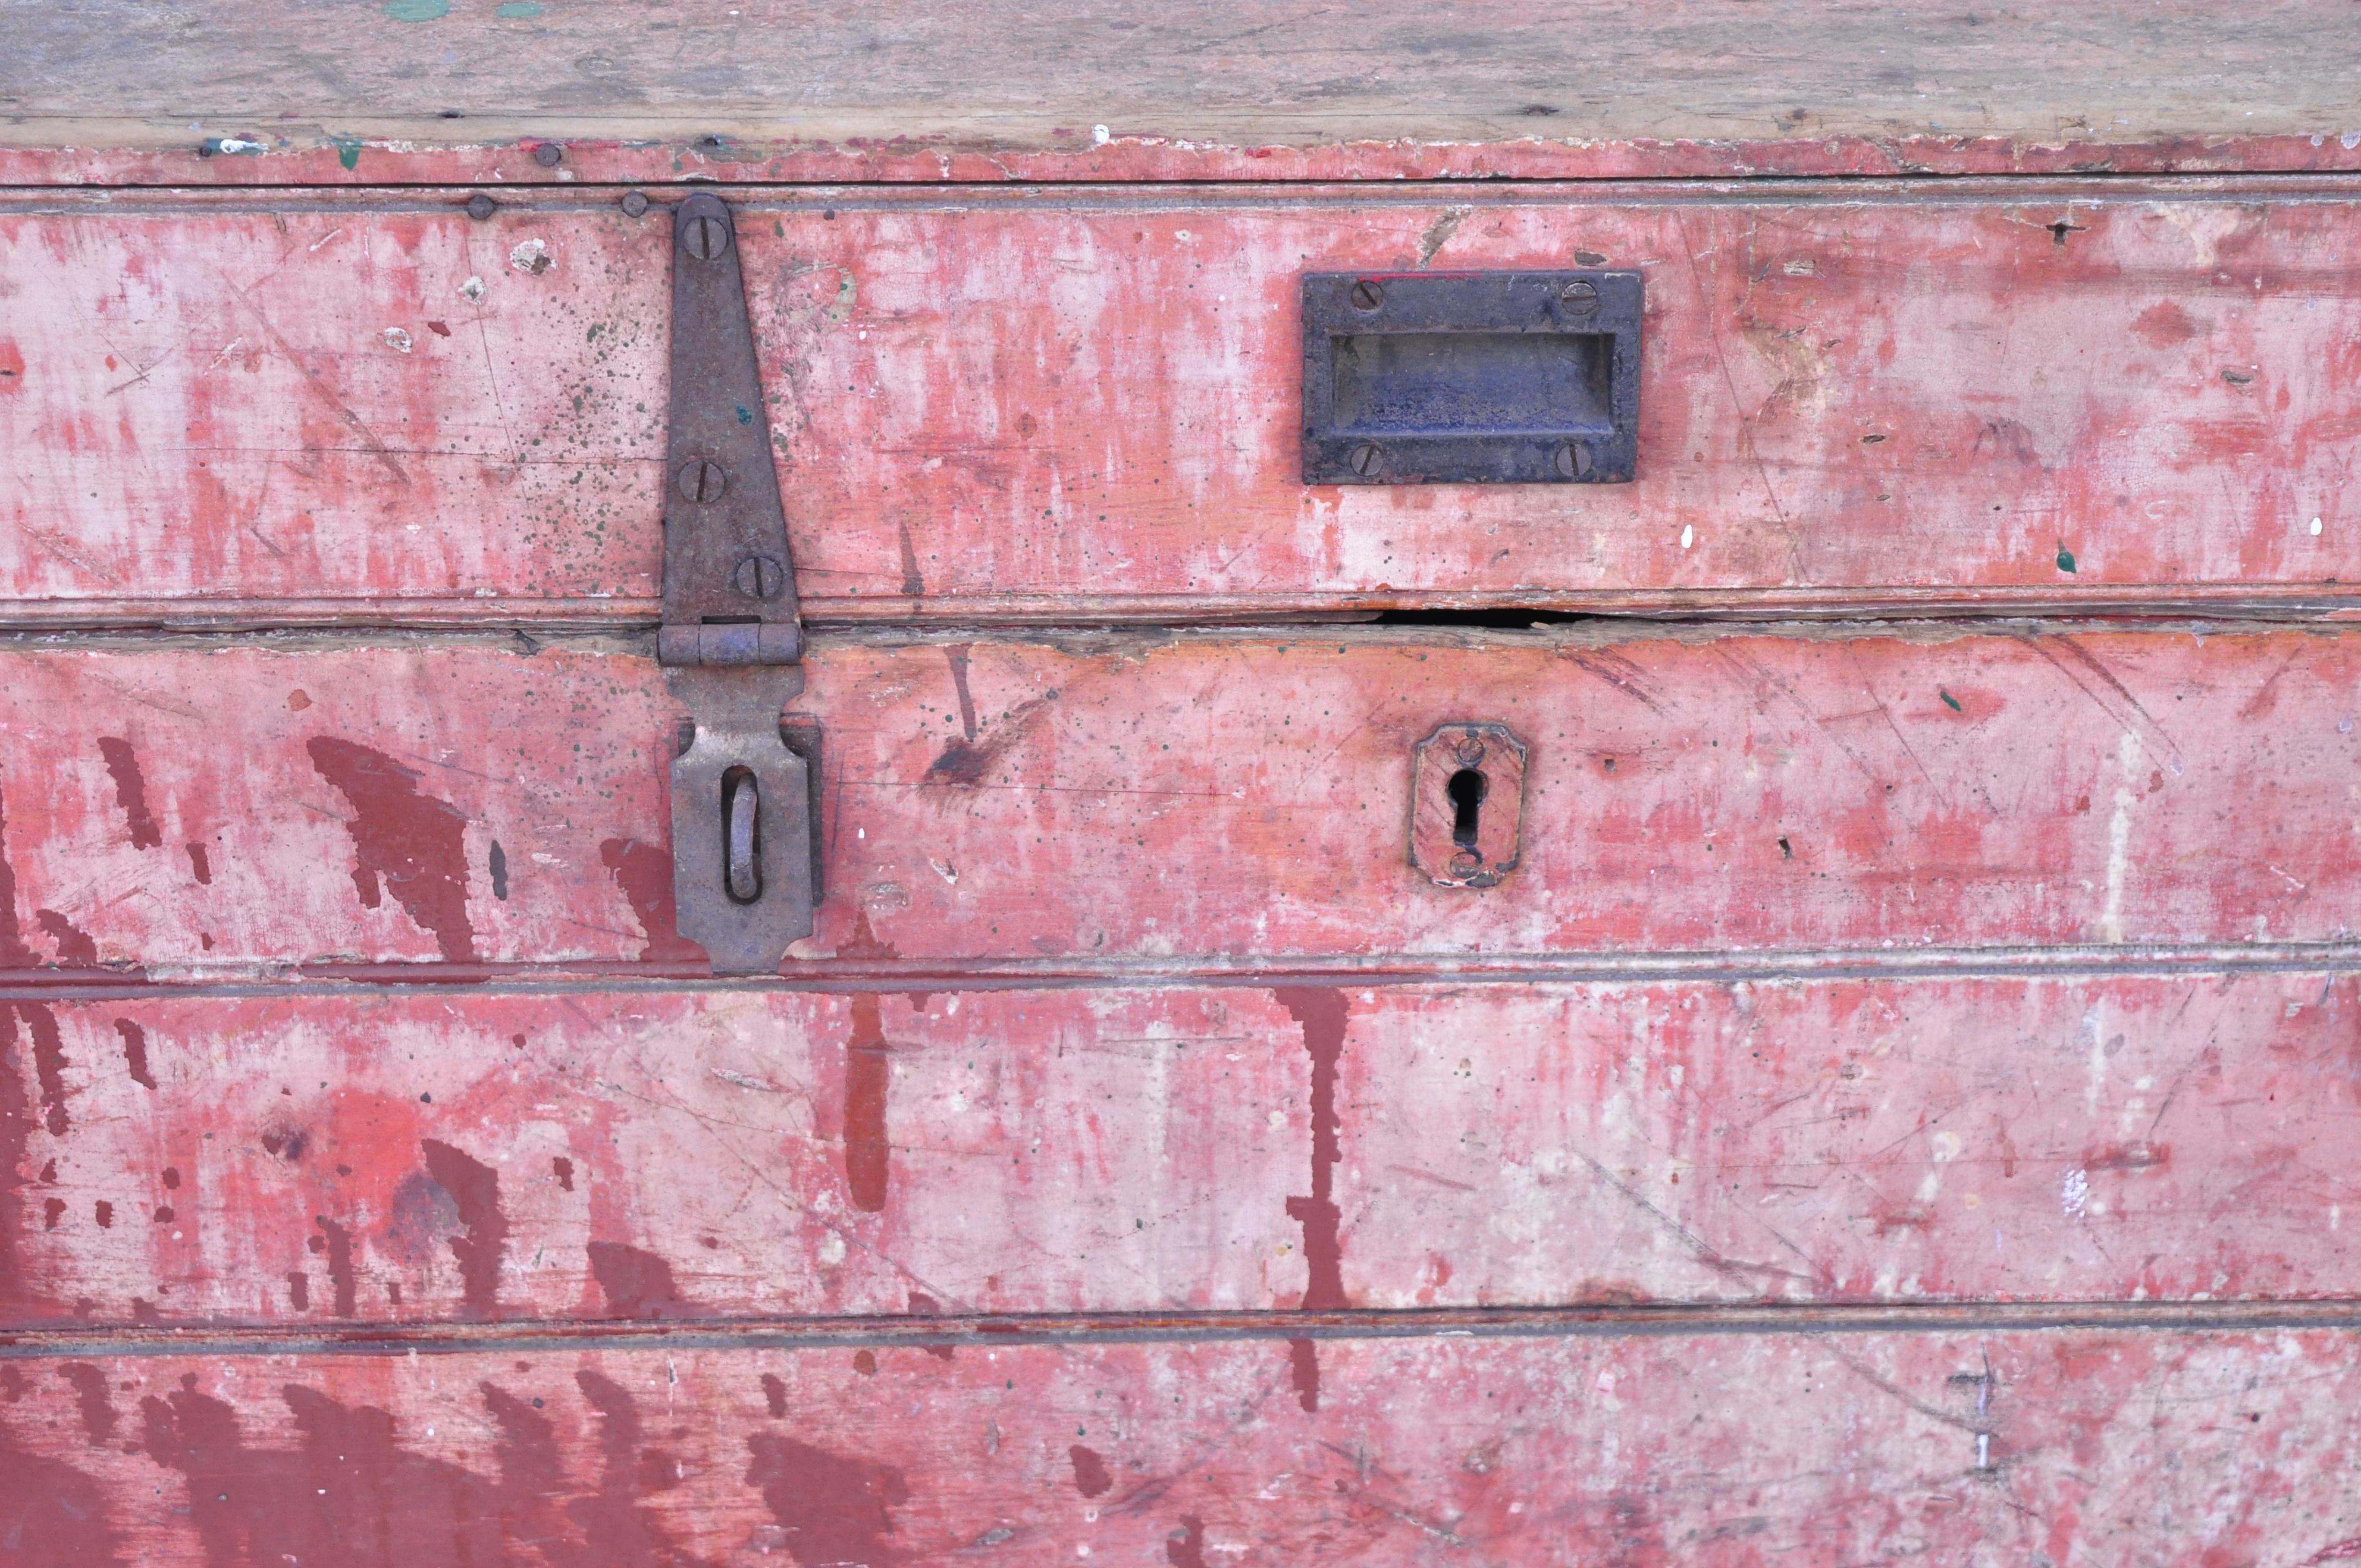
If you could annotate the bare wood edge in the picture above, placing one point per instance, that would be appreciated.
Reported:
(1606, 1321)
(892, 147)
(1775, 967)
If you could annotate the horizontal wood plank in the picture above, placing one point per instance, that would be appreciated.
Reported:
(113, 90)
(1707, 1449)
(226, 807)
(328, 1160)
(1086, 405)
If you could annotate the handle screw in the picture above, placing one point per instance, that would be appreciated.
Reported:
(759, 578)
(549, 154)
(635, 203)
(1363, 459)
(705, 236)
(1367, 295)
(480, 206)
(1581, 295)
(703, 481)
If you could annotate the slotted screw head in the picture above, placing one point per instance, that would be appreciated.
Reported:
(702, 481)
(758, 576)
(1470, 751)
(1363, 459)
(635, 203)
(1572, 460)
(549, 155)
(1466, 862)
(480, 206)
(1367, 295)
(705, 236)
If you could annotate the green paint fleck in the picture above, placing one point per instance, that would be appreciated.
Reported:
(745, 415)
(779, 227)
(517, 11)
(1949, 701)
(348, 151)
(418, 10)
(2065, 557)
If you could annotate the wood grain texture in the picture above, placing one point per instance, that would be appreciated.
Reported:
(1150, 798)
(1086, 404)
(325, 1161)
(2070, 1448)
(279, 92)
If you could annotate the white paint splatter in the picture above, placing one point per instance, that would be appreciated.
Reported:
(2315, 528)
(1688, 536)
(531, 257)
(2074, 1192)
(2119, 842)
(1098, 135)
(831, 1249)
(472, 290)
(396, 339)
(2349, 140)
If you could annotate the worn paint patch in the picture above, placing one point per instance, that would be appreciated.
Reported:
(51, 1515)
(97, 1412)
(14, 952)
(474, 1189)
(517, 11)
(637, 1283)
(130, 791)
(413, 843)
(834, 1510)
(75, 945)
(418, 10)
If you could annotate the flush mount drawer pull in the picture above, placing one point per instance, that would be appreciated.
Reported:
(1471, 377)
(744, 877)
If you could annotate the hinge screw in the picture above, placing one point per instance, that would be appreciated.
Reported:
(549, 154)
(758, 576)
(1470, 751)
(1572, 460)
(704, 236)
(1581, 296)
(1363, 459)
(1367, 295)
(703, 481)
(1466, 862)
(480, 206)
(635, 203)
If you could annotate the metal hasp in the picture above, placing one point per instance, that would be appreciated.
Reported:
(743, 875)
(1471, 377)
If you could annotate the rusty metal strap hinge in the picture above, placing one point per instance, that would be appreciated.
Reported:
(744, 879)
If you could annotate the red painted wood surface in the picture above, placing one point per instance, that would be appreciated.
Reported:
(1085, 404)
(324, 1159)
(1140, 800)
(1695, 1450)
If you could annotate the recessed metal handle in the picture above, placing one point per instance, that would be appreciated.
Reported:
(740, 811)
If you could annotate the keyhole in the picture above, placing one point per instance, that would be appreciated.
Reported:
(1466, 792)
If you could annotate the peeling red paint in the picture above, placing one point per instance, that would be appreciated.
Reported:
(14, 953)
(644, 874)
(130, 791)
(412, 842)
(475, 1188)
(74, 945)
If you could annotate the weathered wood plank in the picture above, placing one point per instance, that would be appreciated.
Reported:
(324, 1160)
(1114, 798)
(373, 409)
(2066, 1447)
(278, 92)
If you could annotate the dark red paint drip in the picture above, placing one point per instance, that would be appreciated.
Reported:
(51, 1515)
(14, 953)
(48, 1064)
(644, 875)
(774, 1395)
(16, 1139)
(135, 1052)
(563, 1169)
(867, 1072)
(1185, 1547)
(338, 1243)
(638, 1283)
(200, 866)
(130, 792)
(925, 1306)
(834, 1510)
(299, 1291)
(474, 1187)
(1090, 1477)
(90, 1394)
(617, 1529)
(413, 843)
(74, 946)
(1320, 1012)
